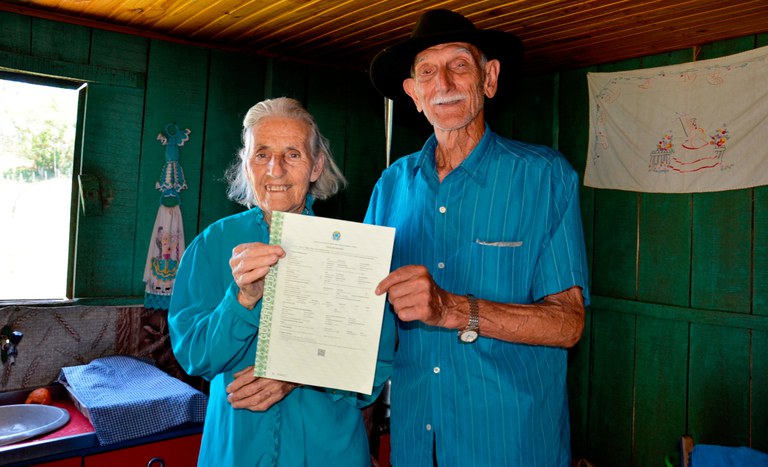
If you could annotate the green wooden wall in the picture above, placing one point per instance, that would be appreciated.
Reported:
(677, 335)
(136, 86)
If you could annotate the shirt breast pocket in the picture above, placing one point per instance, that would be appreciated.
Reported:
(502, 269)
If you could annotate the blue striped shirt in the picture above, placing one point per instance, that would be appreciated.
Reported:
(504, 225)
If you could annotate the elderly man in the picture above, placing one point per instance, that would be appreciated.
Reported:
(490, 247)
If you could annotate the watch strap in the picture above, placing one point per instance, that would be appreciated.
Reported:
(474, 313)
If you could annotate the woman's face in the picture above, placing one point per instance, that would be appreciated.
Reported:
(281, 167)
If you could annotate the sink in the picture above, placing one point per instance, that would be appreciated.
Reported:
(21, 421)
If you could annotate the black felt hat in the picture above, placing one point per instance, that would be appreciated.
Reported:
(393, 65)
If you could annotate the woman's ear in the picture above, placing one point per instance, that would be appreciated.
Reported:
(317, 168)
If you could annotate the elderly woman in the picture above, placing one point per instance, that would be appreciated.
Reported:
(214, 314)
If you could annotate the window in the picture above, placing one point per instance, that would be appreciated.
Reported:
(37, 144)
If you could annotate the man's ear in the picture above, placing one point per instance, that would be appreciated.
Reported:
(491, 85)
(317, 168)
(409, 85)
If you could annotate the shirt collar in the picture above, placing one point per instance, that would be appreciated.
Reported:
(308, 205)
(476, 163)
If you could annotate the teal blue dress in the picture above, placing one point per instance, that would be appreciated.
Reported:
(213, 336)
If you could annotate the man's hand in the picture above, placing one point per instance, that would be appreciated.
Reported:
(415, 296)
(250, 263)
(254, 393)
(557, 320)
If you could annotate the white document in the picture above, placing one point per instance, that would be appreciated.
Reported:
(320, 318)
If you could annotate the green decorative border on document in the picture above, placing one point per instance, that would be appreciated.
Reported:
(268, 300)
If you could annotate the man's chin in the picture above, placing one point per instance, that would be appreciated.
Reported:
(450, 125)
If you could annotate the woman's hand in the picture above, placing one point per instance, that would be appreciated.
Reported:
(250, 263)
(254, 393)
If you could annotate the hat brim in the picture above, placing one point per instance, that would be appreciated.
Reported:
(390, 67)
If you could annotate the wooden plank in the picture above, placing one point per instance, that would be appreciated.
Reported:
(119, 51)
(718, 398)
(410, 129)
(176, 93)
(573, 111)
(660, 389)
(60, 41)
(680, 30)
(761, 40)
(327, 101)
(693, 315)
(532, 110)
(23, 63)
(82, 97)
(759, 391)
(287, 79)
(611, 388)
(668, 58)
(573, 142)
(665, 249)
(16, 34)
(615, 231)
(587, 199)
(365, 157)
(111, 145)
(665, 230)
(760, 252)
(234, 86)
(558, 35)
(721, 263)
(36, 46)
(578, 390)
(721, 266)
(615, 243)
(722, 48)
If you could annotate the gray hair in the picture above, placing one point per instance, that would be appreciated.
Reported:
(331, 180)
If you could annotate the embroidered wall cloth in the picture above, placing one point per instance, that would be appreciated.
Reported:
(693, 127)
(166, 246)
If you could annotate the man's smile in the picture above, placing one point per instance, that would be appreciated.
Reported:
(448, 100)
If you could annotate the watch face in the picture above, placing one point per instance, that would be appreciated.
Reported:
(468, 336)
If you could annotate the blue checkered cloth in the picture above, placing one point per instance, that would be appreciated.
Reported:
(129, 398)
(706, 455)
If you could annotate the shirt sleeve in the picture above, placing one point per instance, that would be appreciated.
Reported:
(210, 331)
(563, 262)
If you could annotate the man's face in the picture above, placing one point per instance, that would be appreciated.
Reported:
(449, 85)
(281, 167)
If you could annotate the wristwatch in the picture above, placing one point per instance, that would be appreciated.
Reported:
(470, 333)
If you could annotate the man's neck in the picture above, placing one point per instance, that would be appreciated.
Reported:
(453, 146)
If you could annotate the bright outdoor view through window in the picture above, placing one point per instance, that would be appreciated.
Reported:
(37, 133)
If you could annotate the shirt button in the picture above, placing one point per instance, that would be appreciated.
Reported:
(436, 370)
(440, 265)
(442, 209)
(429, 427)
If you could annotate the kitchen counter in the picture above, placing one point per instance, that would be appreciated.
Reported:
(76, 438)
